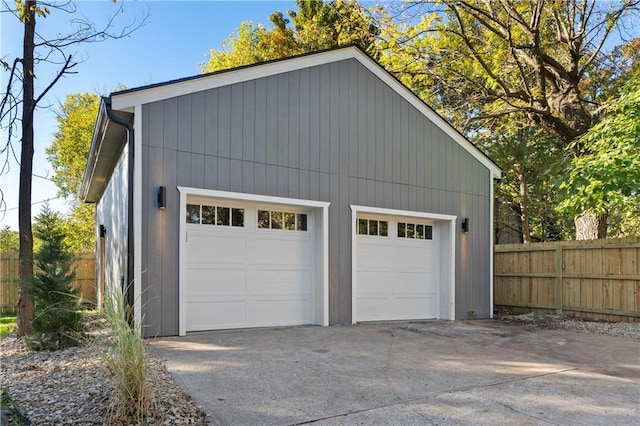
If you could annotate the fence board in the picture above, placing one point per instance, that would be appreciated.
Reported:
(598, 279)
(85, 280)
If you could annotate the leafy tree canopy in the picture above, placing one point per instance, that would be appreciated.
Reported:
(68, 155)
(9, 240)
(608, 174)
(70, 148)
(316, 25)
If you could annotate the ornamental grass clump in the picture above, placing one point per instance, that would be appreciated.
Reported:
(56, 321)
(126, 359)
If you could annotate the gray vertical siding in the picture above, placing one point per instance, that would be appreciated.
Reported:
(111, 211)
(333, 133)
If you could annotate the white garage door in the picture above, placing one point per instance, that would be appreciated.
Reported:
(247, 266)
(395, 269)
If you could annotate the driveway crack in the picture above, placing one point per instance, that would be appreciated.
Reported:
(448, 392)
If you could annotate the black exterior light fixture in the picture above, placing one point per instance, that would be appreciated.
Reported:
(103, 231)
(465, 225)
(162, 197)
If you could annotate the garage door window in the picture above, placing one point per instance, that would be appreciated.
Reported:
(214, 215)
(282, 220)
(373, 227)
(416, 231)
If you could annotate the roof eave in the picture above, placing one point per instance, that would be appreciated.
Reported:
(106, 145)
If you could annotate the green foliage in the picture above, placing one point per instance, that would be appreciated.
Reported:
(9, 240)
(70, 148)
(316, 25)
(80, 227)
(608, 174)
(56, 317)
(68, 155)
(7, 323)
(132, 402)
(478, 61)
(495, 67)
(529, 155)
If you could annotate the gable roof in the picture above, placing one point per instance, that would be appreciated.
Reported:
(125, 101)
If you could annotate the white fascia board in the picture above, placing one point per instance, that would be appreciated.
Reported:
(252, 197)
(407, 213)
(491, 242)
(182, 266)
(137, 216)
(354, 272)
(126, 101)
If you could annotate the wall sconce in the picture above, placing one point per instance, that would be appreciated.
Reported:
(465, 225)
(103, 231)
(162, 197)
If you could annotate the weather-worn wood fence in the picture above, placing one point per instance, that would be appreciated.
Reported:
(85, 279)
(597, 279)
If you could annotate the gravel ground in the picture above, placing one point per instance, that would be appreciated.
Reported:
(627, 330)
(73, 387)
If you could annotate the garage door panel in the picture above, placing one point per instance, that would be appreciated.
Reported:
(208, 315)
(371, 254)
(279, 251)
(216, 281)
(373, 282)
(212, 249)
(411, 282)
(277, 281)
(278, 312)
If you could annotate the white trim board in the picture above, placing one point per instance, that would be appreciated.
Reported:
(137, 216)
(321, 245)
(445, 229)
(125, 101)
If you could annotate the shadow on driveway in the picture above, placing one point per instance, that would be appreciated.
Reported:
(468, 372)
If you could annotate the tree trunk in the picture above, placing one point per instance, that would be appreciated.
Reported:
(25, 304)
(524, 210)
(590, 226)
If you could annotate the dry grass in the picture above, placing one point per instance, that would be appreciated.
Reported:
(132, 400)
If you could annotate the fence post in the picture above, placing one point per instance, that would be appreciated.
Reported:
(558, 273)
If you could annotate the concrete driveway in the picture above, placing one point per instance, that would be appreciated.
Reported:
(474, 372)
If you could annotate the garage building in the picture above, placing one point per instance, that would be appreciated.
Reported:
(310, 190)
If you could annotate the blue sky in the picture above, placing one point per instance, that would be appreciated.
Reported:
(175, 40)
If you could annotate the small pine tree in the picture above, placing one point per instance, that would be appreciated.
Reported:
(56, 317)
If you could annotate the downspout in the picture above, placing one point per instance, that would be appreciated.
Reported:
(128, 284)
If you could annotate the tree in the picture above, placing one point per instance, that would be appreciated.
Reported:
(19, 100)
(483, 60)
(9, 240)
(607, 175)
(528, 189)
(68, 155)
(316, 25)
(56, 320)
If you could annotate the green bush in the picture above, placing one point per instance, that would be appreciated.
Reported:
(56, 319)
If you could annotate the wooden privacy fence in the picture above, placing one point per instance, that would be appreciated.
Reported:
(596, 279)
(85, 279)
